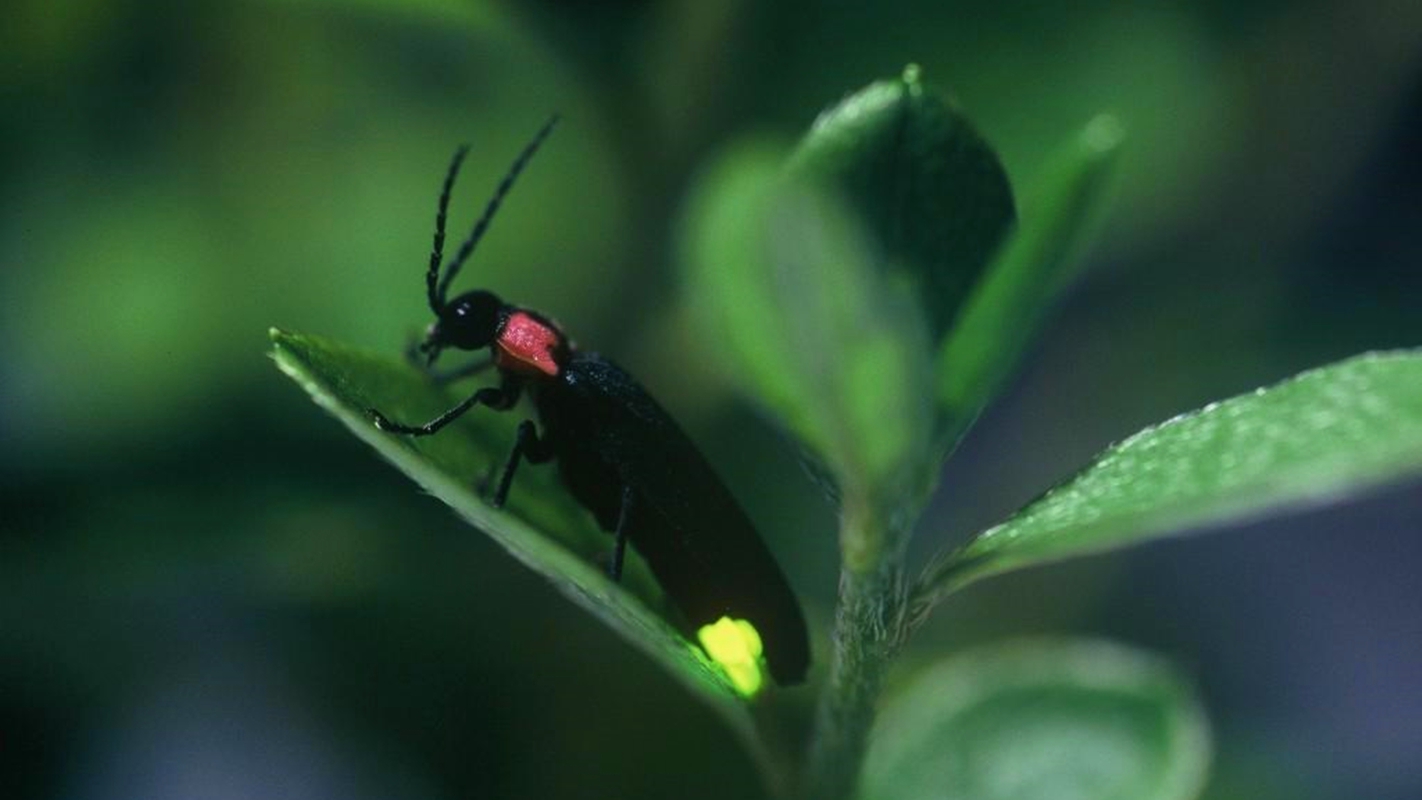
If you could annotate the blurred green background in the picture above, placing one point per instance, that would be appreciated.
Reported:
(208, 589)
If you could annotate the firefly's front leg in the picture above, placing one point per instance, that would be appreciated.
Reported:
(499, 398)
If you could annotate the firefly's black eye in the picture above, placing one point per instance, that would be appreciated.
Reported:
(470, 320)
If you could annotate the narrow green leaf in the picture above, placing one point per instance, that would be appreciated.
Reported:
(1045, 720)
(1316, 437)
(929, 188)
(1004, 309)
(782, 275)
(542, 528)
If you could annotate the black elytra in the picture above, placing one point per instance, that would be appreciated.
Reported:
(618, 452)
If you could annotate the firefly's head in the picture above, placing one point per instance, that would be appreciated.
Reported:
(471, 320)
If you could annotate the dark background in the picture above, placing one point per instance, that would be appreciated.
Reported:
(210, 590)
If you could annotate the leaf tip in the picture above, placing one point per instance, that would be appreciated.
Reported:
(912, 78)
(1103, 134)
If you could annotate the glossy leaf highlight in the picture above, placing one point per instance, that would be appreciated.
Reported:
(1316, 437)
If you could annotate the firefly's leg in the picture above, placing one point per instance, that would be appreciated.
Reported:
(530, 447)
(499, 398)
(619, 542)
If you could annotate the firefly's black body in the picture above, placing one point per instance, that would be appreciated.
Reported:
(620, 455)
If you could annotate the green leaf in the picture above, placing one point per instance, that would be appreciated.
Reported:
(791, 289)
(542, 527)
(1003, 311)
(1041, 720)
(929, 188)
(1316, 437)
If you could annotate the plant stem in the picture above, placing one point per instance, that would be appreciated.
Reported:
(868, 631)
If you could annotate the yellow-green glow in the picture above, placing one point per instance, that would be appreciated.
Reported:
(735, 645)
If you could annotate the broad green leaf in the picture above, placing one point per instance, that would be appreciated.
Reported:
(1003, 310)
(542, 528)
(787, 283)
(1041, 720)
(1316, 437)
(929, 188)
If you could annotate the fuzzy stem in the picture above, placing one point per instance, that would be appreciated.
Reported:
(868, 631)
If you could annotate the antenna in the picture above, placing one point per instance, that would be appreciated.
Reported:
(437, 254)
(483, 224)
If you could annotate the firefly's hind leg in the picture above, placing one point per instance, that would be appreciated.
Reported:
(619, 542)
(530, 447)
